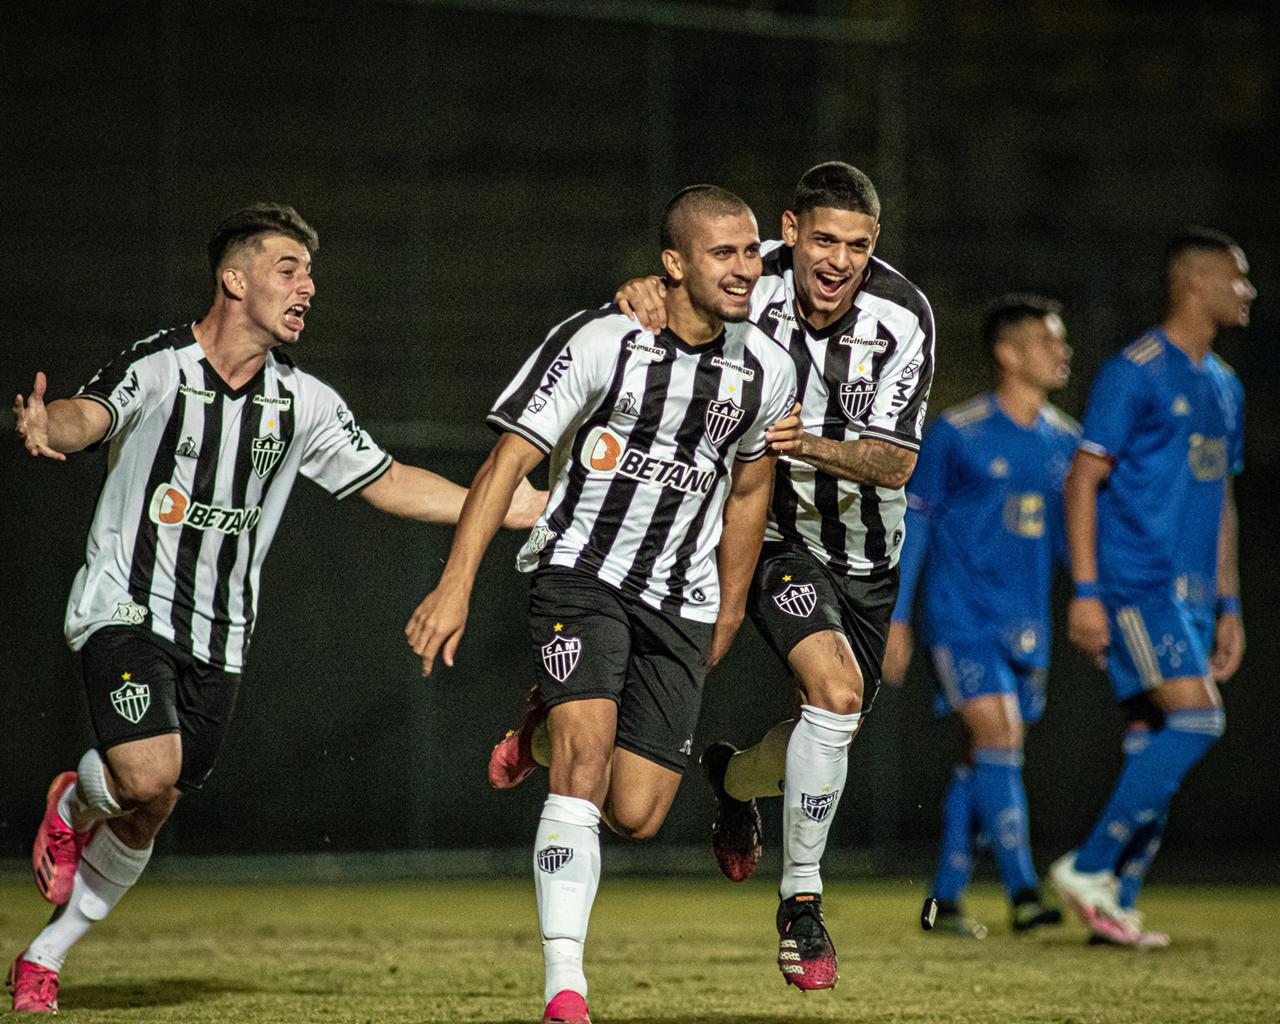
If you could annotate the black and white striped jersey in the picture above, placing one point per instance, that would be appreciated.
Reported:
(197, 479)
(642, 434)
(865, 376)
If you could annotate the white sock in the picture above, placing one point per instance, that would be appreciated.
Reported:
(817, 762)
(107, 870)
(566, 874)
(89, 801)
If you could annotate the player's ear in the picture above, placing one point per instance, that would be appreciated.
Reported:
(233, 283)
(875, 237)
(790, 227)
(673, 264)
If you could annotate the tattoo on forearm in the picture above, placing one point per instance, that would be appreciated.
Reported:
(862, 461)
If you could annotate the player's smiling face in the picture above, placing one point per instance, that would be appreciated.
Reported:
(723, 265)
(279, 288)
(830, 250)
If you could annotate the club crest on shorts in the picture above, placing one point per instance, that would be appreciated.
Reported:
(552, 858)
(265, 452)
(856, 397)
(799, 599)
(818, 807)
(131, 700)
(722, 417)
(560, 656)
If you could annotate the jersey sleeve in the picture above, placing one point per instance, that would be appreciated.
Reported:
(128, 387)
(1235, 443)
(1117, 402)
(565, 375)
(337, 453)
(779, 401)
(925, 494)
(902, 391)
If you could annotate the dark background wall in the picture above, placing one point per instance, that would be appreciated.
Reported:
(477, 171)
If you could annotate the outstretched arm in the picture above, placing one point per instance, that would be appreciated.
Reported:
(414, 493)
(54, 430)
(1086, 618)
(863, 461)
(440, 620)
(744, 516)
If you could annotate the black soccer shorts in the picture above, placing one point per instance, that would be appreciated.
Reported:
(592, 640)
(141, 685)
(794, 595)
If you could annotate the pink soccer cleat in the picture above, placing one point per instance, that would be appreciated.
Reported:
(1093, 898)
(566, 1007)
(34, 988)
(512, 759)
(806, 955)
(57, 848)
(737, 831)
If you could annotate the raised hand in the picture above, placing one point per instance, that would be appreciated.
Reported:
(32, 420)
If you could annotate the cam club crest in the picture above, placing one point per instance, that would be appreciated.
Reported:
(552, 858)
(265, 451)
(560, 656)
(722, 417)
(856, 397)
(799, 599)
(818, 807)
(131, 700)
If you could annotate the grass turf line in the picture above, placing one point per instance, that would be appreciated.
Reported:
(693, 952)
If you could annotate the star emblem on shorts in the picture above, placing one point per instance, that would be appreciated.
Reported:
(787, 578)
(559, 627)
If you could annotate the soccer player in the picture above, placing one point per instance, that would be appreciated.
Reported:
(861, 338)
(1151, 525)
(651, 440)
(984, 534)
(209, 425)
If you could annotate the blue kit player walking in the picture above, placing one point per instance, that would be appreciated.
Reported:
(1151, 525)
(984, 534)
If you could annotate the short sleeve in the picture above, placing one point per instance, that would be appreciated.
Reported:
(927, 489)
(1117, 402)
(1235, 441)
(902, 391)
(337, 453)
(128, 387)
(779, 401)
(565, 375)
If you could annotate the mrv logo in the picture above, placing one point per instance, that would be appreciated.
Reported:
(172, 506)
(557, 370)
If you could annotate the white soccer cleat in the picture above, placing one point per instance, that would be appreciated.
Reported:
(1094, 898)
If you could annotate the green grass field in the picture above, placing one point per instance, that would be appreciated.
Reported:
(690, 951)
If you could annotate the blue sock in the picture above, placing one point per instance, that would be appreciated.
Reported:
(958, 817)
(1002, 805)
(1137, 856)
(1148, 783)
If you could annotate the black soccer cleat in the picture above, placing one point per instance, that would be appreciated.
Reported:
(1030, 912)
(737, 831)
(806, 955)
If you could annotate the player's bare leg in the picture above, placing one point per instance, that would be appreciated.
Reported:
(816, 766)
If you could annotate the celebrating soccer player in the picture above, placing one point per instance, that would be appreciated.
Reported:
(861, 339)
(209, 426)
(985, 531)
(1151, 525)
(654, 443)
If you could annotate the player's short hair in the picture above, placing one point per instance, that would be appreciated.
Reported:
(1012, 309)
(836, 185)
(1196, 240)
(695, 201)
(247, 226)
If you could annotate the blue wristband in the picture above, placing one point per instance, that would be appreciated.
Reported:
(1229, 604)
(1088, 590)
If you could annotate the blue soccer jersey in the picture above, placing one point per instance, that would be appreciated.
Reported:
(1173, 430)
(985, 513)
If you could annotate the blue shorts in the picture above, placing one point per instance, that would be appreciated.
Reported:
(1152, 640)
(963, 671)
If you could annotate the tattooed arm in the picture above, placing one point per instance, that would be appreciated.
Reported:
(864, 461)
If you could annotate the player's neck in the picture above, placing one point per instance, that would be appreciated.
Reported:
(1020, 401)
(816, 319)
(692, 326)
(1190, 331)
(234, 350)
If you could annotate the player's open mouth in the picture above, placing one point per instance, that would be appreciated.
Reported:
(738, 291)
(830, 285)
(293, 316)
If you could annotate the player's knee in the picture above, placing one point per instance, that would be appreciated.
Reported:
(635, 823)
(841, 695)
(144, 787)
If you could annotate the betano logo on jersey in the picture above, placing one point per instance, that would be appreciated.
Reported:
(603, 452)
(172, 506)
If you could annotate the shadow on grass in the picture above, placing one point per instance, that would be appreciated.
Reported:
(127, 995)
